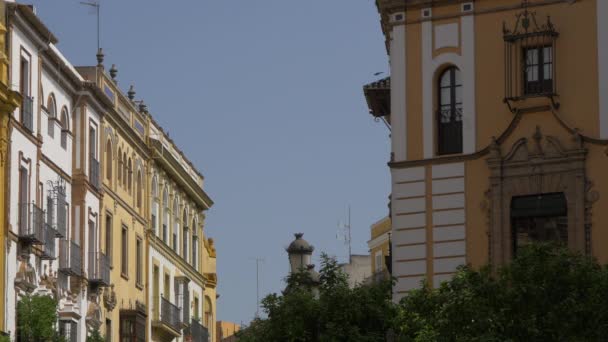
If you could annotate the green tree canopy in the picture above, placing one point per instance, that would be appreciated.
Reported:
(36, 318)
(331, 312)
(547, 293)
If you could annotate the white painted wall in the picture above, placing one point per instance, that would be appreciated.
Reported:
(431, 66)
(398, 88)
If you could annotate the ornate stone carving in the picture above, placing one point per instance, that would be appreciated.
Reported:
(539, 165)
(25, 280)
(109, 298)
(93, 317)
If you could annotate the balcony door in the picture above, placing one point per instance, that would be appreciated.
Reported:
(155, 289)
(92, 249)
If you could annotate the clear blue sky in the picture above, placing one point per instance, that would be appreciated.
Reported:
(265, 99)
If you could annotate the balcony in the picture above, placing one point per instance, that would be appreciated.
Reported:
(94, 173)
(27, 113)
(31, 224)
(197, 332)
(62, 212)
(99, 269)
(168, 325)
(70, 258)
(48, 250)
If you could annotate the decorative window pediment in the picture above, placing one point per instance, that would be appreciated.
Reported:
(530, 58)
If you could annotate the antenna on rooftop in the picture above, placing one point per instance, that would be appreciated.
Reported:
(258, 261)
(345, 235)
(96, 6)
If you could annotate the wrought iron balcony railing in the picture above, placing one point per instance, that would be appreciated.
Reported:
(27, 113)
(99, 269)
(197, 332)
(70, 258)
(31, 223)
(48, 250)
(94, 173)
(169, 314)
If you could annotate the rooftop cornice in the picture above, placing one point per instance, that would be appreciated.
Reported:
(28, 14)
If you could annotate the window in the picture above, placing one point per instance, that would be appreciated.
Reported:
(50, 211)
(65, 127)
(124, 169)
(538, 70)
(208, 314)
(155, 294)
(51, 106)
(154, 217)
(108, 237)
(139, 265)
(165, 215)
(542, 217)
(23, 197)
(129, 174)
(167, 287)
(124, 252)
(196, 312)
(194, 260)
(109, 164)
(27, 109)
(449, 118)
(108, 330)
(175, 223)
(195, 251)
(138, 188)
(132, 327)
(120, 166)
(185, 237)
(68, 330)
(93, 141)
(378, 261)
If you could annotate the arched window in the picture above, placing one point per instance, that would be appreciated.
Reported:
(138, 188)
(129, 175)
(51, 106)
(195, 243)
(208, 314)
(449, 118)
(155, 205)
(65, 127)
(109, 164)
(185, 235)
(165, 214)
(124, 169)
(175, 223)
(120, 166)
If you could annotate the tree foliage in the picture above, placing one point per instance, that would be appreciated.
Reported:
(333, 312)
(36, 318)
(547, 293)
(95, 336)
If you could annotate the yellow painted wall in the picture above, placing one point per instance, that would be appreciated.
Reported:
(577, 85)
(9, 100)
(378, 229)
(120, 203)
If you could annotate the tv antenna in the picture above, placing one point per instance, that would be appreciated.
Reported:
(345, 235)
(96, 6)
(258, 261)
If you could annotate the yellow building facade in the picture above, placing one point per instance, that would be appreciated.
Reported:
(379, 247)
(182, 268)
(121, 284)
(9, 100)
(499, 130)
